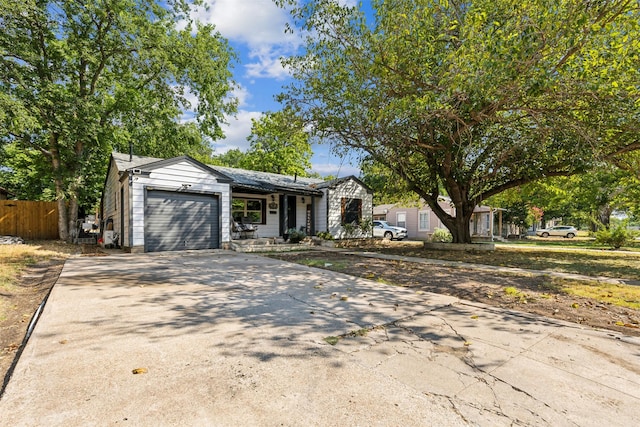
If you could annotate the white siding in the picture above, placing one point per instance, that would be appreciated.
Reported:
(172, 178)
(352, 190)
(321, 212)
(272, 226)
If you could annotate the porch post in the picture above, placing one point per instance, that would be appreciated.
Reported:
(312, 231)
(491, 223)
(284, 206)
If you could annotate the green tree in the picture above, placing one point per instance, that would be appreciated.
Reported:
(386, 185)
(233, 158)
(279, 144)
(629, 199)
(471, 97)
(518, 209)
(584, 200)
(79, 79)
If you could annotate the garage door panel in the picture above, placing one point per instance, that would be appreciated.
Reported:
(180, 221)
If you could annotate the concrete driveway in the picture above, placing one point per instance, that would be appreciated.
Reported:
(238, 339)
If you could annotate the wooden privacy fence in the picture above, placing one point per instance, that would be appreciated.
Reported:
(29, 220)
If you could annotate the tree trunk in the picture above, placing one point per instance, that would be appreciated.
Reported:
(67, 197)
(604, 215)
(63, 215)
(67, 214)
(459, 226)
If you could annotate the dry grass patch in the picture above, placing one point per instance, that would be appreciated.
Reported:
(621, 264)
(607, 293)
(15, 258)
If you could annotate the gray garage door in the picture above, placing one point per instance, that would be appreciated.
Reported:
(178, 221)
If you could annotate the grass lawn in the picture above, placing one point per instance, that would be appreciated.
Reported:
(620, 264)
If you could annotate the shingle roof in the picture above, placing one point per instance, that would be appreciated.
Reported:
(266, 181)
(123, 163)
(241, 178)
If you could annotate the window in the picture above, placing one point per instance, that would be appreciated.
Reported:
(423, 220)
(351, 210)
(252, 208)
(401, 219)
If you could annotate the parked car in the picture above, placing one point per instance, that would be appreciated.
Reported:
(387, 231)
(559, 230)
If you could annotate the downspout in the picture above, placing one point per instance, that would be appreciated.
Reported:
(128, 212)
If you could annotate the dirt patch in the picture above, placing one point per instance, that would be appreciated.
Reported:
(538, 295)
(21, 296)
(21, 302)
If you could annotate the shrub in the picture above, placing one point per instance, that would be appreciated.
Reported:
(324, 235)
(616, 237)
(366, 225)
(361, 228)
(441, 235)
(295, 236)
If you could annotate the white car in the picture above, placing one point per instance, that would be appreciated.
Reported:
(559, 230)
(387, 231)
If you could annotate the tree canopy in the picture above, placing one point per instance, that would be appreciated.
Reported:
(79, 79)
(279, 144)
(472, 98)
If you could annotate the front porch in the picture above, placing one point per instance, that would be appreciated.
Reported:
(266, 244)
(276, 244)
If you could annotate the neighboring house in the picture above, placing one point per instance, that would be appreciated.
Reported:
(176, 204)
(420, 220)
(486, 222)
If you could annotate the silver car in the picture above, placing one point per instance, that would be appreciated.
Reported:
(387, 231)
(559, 230)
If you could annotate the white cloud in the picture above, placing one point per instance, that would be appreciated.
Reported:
(242, 94)
(268, 64)
(255, 22)
(260, 25)
(236, 132)
(334, 169)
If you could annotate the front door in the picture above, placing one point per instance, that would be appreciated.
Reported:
(287, 213)
(291, 212)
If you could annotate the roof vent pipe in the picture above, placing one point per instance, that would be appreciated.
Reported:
(295, 177)
(130, 151)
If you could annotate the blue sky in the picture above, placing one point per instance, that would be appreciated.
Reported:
(255, 30)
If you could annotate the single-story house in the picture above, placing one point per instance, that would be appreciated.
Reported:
(420, 220)
(154, 204)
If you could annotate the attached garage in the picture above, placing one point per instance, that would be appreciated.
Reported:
(159, 205)
(181, 221)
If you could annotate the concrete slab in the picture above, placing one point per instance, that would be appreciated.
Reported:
(235, 339)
